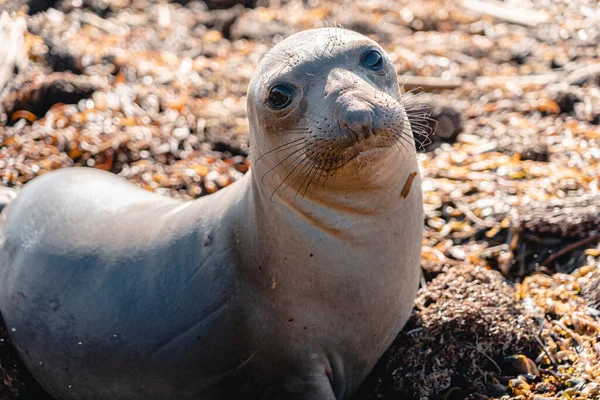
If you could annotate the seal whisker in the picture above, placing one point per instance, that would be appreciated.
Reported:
(423, 127)
(317, 174)
(303, 161)
(301, 150)
(332, 158)
(324, 166)
(423, 131)
(419, 124)
(416, 91)
(307, 147)
(401, 86)
(306, 176)
(406, 134)
(317, 115)
(412, 102)
(305, 116)
(326, 49)
(418, 135)
(421, 117)
(338, 159)
(421, 121)
(332, 164)
(284, 65)
(420, 110)
(329, 146)
(423, 113)
(416, 108)
(392, 139)
(426, 138)
(293, 131)
(328, 172)
(403, 141)
(410, 96)
(405, 138)
(425, 123)
(283, 160)
(409, 104)
(296, 54)
(290, 144)
(299, 129)
(283, 149)
(344, 171)
(279, 57)
(313, 163)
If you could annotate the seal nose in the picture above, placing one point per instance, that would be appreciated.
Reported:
(355, 113)
(359, 121)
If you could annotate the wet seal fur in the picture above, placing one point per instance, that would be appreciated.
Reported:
(288, 284)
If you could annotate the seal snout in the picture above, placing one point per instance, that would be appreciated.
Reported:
(359, 121)
(354, 110)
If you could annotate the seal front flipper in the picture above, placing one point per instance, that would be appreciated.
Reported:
(296, 388)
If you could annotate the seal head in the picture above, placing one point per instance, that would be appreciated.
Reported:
(328, 107)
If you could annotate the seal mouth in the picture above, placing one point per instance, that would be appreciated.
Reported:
(367, 148)
(370, 152)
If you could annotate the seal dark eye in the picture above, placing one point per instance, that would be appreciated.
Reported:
(373, 60)
(280, 96)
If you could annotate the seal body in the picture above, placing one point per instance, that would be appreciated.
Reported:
(289, 284)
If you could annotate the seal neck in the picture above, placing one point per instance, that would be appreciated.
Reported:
(343, 211)
(332, 257)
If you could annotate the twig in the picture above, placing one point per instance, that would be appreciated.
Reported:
(103, 24)
(422, 279)
(581, 75)
(493, 249)
(594, 312)
(469, 214)
(570, 248)
(413, 331)
(519, 80)
(12, 47)
(544, 350)
(576, 77)
(515, 15)
(542, 345)
(429, 83)
(480, 351)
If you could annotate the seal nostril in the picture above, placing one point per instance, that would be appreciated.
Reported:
(359, 122)
(360, 131)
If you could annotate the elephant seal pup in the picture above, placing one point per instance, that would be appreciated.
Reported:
(289, 284)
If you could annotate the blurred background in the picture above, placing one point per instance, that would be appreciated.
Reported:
(154, 91)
